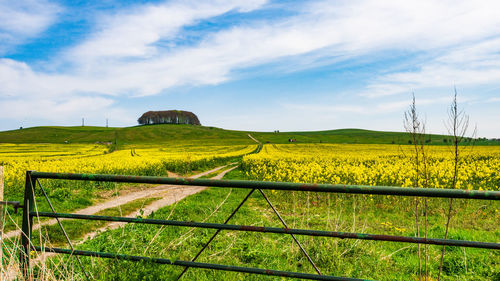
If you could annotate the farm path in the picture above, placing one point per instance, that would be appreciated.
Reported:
(250, 136)
(169, 194)
(169, 197)
(177, 190)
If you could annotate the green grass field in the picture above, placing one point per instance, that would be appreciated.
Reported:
(125, 136)
(200, 135)
(474, 220)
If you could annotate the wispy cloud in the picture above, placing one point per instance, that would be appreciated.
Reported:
(473, 64)
(134, 52)
(365, 108)
(326, 108)
(135, 33)
(24, 19)
(123, 54)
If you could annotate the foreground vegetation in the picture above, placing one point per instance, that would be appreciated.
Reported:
(147, 160)
(349, 258)
(200, 148)
(353, 164)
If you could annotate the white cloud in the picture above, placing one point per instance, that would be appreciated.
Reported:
(322, 108)
(56, 96)
(474, 64)
(134, 33)
(24, 19)
(326, 28)
(364, 107)
(17, 79)
(409, 24)
(53, 109)
(125, 54)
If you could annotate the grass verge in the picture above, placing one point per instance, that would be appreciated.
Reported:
(476, 220)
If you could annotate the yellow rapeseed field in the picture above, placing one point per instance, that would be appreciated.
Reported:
(373, 164)
(94, 158)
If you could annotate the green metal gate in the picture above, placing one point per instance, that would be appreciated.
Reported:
(32, 182)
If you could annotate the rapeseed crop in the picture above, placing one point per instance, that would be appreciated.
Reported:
(373, 164)
(148, 160)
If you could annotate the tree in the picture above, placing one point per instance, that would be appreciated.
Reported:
(169, 117)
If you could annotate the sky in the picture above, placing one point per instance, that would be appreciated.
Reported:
(250, 64)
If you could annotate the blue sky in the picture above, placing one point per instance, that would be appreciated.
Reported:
(250, 64)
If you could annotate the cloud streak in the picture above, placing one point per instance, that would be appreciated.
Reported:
(134, 34)
(123, 55)
(24, 19)
(474, 64)
(136, 52)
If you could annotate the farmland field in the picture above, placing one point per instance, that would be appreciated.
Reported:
(352, 258)
(367, 164)
(249, 140)
(150, 160)
(389, 165)
(146, 160)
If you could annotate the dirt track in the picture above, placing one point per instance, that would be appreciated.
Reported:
(169, 194)
(157, 191)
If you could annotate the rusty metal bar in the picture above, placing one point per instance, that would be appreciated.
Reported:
(335, 188)
(268, 272)
(217, 232)
(322, 233)
(15, 204)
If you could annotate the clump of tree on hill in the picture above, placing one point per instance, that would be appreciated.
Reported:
(169, 117)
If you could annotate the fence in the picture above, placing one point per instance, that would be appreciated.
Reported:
(32, 179)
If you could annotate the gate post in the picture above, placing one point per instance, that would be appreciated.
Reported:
(28, 206)
(1, 215)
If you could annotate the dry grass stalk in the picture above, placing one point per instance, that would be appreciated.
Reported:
(457, 125)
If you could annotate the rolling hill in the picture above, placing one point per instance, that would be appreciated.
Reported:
(196, 135)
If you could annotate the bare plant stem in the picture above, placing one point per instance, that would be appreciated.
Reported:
(353, 213)
(450, 208)
(425, 173)
(414, 127)
(458, 123)
(328, 212)
(445, 236)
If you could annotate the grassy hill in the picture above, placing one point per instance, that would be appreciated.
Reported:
(196, 135)
(342, 136)
(129, 135)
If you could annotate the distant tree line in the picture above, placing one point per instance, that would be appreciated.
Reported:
(169, 117)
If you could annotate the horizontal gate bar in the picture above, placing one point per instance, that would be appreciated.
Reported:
(198, 264)
(347, 235)
(335, 188)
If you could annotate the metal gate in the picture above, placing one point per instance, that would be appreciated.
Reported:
(32, 181)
